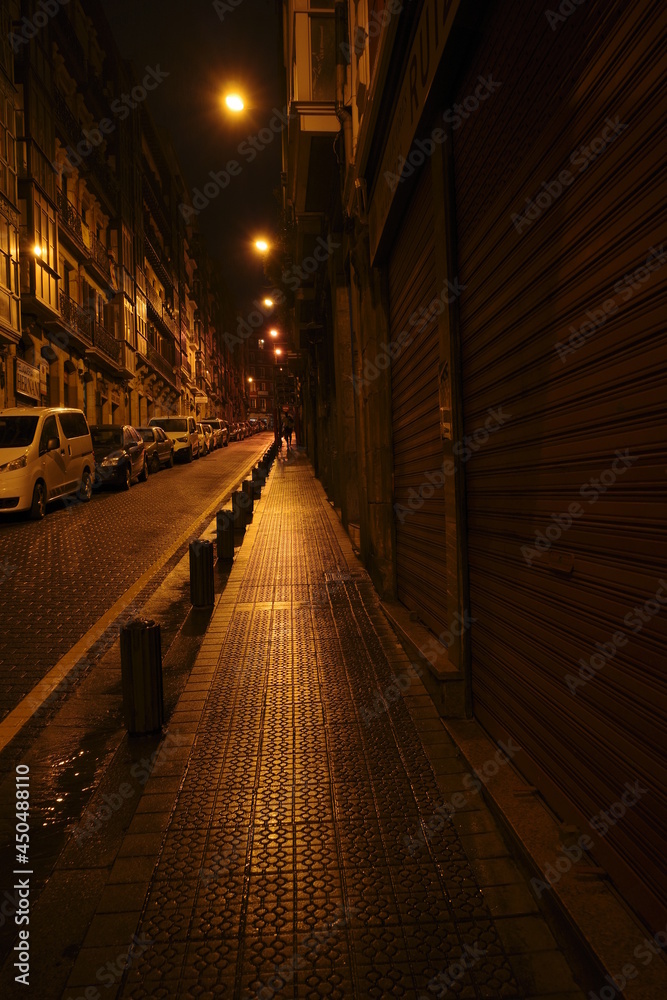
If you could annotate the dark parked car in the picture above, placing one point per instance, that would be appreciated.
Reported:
(159, 448)
(120, 455)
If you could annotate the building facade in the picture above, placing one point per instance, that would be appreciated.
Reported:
(483, 347)
(108, 300)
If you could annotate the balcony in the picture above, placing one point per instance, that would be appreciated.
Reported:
(160, 310)
(100, 258)
(74, 321)
(65, 119)
(105, 347)
(161, 365)
(71, 222)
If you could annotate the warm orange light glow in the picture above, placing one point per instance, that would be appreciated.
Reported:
(249, 379)
(268, 303)
(273, 333)
(234, 102)
(37, 250)
(262, 245)
(278, 351)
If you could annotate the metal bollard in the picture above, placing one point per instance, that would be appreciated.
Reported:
(225, 536)
(239, 505)
(141, 677)
(202, 587)
(258, 481)
(249, 491)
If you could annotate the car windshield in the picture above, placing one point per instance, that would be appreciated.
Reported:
(17, 432)
(106, 437)
(169, 423)
(147, 434)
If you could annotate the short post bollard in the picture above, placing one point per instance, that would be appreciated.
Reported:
(249, 491)
(141, 677)
(258, 481)
(225, 534)
(202, 587)
(239, 504)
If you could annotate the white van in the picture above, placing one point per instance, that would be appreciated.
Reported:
(45, 453)
(183, 432)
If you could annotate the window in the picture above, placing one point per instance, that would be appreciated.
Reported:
(7, 150)
(49, 430)
(45, 239)
(73, 425)
(9, 276)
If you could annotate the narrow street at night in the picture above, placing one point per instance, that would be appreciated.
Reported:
(333, 547)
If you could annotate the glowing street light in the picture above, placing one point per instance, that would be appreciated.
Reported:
(234, 102)
(273, 333)
(278, 351)
(261, 245)
(268, 303)
(249, 379)
(37, 250)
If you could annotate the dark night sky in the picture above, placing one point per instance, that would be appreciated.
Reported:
(202, 54)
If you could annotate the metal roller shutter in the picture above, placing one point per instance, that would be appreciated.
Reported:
(420, 527)
(571, 411)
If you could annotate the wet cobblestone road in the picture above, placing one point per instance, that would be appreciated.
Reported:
(60, 575)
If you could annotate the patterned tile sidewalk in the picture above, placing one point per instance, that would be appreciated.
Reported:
(289, 844)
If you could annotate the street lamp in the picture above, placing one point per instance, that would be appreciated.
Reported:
(268, 303)
(234, 102)
(262, 245)
(273, 333)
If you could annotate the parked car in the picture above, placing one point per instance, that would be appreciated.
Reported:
(234, 432)
(159, 448)
(183, 432)
(220, 431)
(205, 440)
(45, 453)
(120, 455)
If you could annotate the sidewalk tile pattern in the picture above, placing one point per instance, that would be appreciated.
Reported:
(285, 869)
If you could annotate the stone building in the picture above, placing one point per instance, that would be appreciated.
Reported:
(118, 309)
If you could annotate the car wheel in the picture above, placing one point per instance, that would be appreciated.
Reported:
(143, 475)
(85, 490)
(170, 463)
(155, 464)
(128, 478)
(38, 506)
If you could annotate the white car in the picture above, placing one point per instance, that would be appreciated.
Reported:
(45, 453)
(183, 432)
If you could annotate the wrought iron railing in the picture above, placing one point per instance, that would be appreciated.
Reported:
(75, 317)
(104, 342)
(70, 218)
